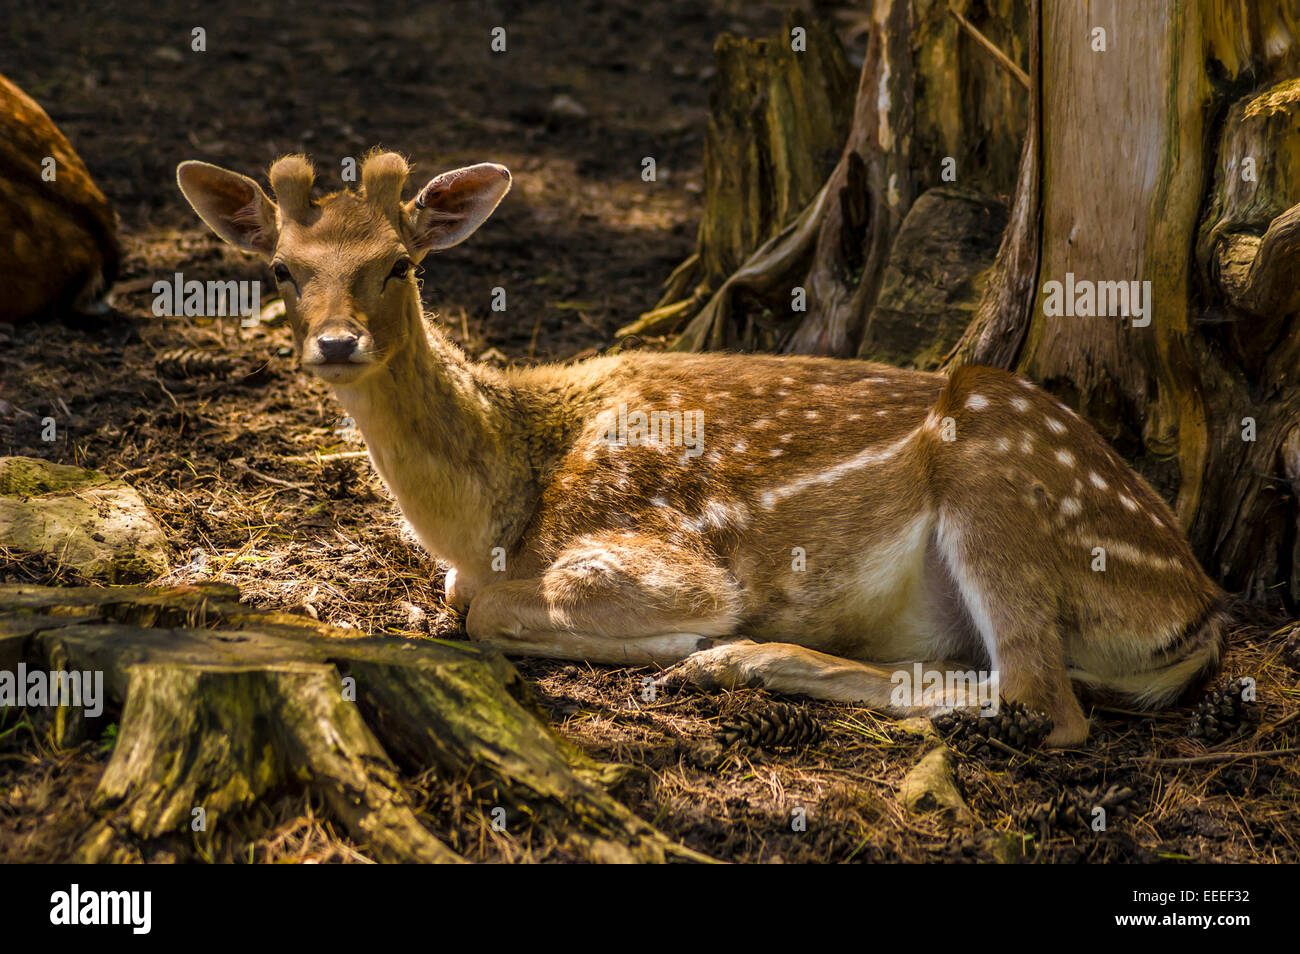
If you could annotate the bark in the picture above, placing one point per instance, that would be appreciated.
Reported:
(1001, 319)
(223, 707)
(777, 122)
(927, 93)
(935, 277)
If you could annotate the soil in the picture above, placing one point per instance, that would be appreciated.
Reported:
(248, 468)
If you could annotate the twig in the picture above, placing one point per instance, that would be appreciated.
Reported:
(321, 458)
(1208, 759)
(1008, 750)
(267, 477)
(1154, 716)
(992, 49)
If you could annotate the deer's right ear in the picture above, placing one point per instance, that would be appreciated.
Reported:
(233, 206)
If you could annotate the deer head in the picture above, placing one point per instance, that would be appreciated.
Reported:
(345, 263)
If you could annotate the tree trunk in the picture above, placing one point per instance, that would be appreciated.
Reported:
(1196, 194)
(223, 707)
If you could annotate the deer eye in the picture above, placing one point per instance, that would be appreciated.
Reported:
(282, 274)
(401, 268)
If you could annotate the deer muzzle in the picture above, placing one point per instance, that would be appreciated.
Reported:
(337, 353)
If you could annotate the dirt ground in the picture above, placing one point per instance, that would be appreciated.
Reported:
(231, 459)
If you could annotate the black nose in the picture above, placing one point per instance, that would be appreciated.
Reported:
(337, 347)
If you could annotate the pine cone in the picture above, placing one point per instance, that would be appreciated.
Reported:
(1070, 811)
(1222, 712)
(1015, 725)
(1291, 648)
(181, 363)
(777, 725)
(337, 478)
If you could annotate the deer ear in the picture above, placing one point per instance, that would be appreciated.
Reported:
(451, 206)
(233, 206)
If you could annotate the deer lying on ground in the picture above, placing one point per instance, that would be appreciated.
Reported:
(831, 523)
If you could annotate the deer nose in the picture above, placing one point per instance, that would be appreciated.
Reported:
(337, 347)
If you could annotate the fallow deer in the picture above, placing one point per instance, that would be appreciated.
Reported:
(835, 521)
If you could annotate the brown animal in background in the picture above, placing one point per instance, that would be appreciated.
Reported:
(58, 237)
(809, 524)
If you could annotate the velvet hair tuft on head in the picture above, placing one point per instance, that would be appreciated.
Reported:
(383, 175)
(292, 178)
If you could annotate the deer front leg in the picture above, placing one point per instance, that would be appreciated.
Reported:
(621, 601)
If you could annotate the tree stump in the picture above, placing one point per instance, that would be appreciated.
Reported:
(934, 279)
(224, 706)
(933, 108)
(777, 122)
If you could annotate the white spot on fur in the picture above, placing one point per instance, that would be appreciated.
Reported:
(1129, 503)
(1131, 554)
(977, 402)
(1097, 480)
(1054, 425)
(717, 516)
(1065, 457)
(1070, 507)
(1020, 404)
(740, 447)
(864, 458)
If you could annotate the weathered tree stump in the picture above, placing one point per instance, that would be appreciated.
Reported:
(934, 279)
(223, 706)
(777, 121)
(933, 108)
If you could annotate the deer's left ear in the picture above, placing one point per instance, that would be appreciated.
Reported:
(232, 205)
(453, 205)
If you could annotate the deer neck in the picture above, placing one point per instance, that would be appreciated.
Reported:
(439, 437)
